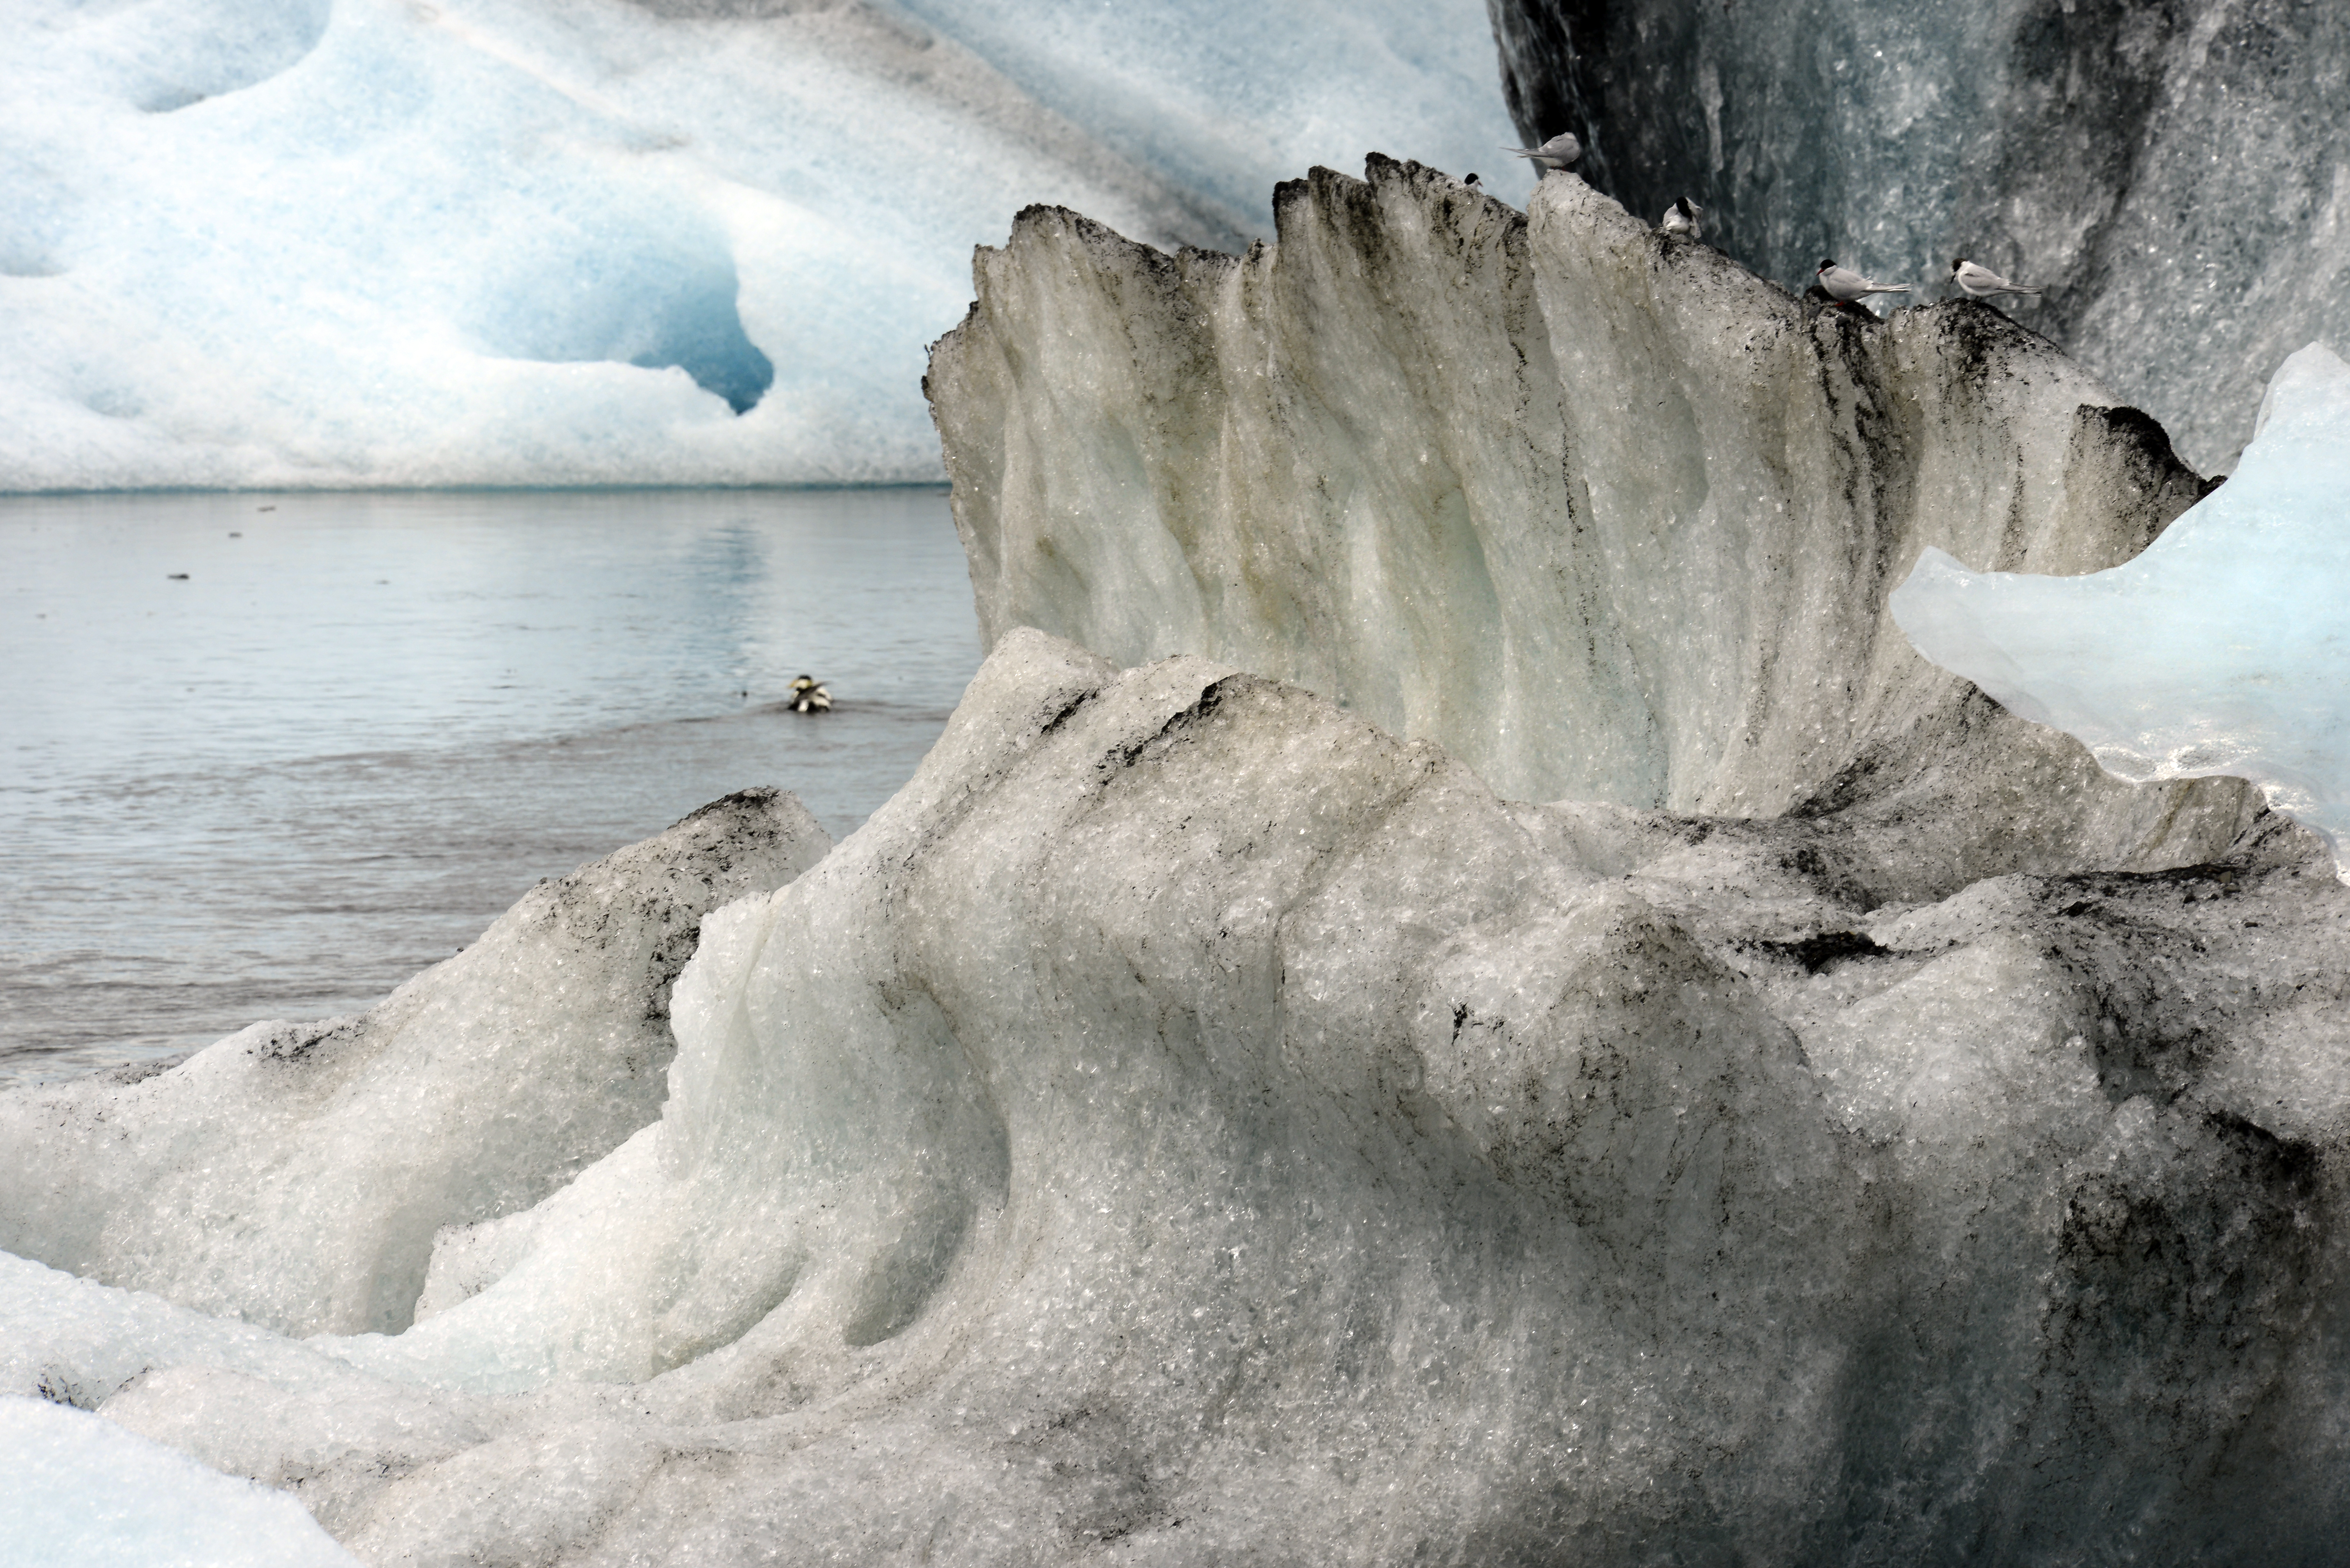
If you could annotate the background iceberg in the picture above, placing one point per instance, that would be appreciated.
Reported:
(507, 242)
(2177, 174)
(2220, 649)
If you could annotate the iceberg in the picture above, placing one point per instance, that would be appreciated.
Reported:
(1199, 1119)
(367, 244)
(1592, 508)
(295, 1174)
(2177, 177)
(1189, 1119)
(2223, 649)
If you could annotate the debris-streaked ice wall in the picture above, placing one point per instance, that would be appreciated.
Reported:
(1594, 508)
(511, 241)
(2223, 649)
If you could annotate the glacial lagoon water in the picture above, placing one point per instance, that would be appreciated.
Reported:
(266, 755)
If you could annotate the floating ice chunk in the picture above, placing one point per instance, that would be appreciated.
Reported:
(82, 1492)
(1187, 1117)
(2223, 649)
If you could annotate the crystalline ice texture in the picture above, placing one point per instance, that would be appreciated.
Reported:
(2224, 649)
(1188, 1117)
(518, 242)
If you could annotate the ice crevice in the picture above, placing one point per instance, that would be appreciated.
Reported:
(1239, 1103)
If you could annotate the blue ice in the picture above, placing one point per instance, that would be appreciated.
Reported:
(381, 242)
(2224, 648)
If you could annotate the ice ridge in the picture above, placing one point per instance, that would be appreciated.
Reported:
(1591, 507)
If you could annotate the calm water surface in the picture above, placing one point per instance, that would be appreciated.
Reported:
(361, 725)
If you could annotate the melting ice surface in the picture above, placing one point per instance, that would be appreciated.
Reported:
(2223, 649)
(84, 1493)
(337, 242)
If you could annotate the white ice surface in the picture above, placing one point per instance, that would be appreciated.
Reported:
(85, 1493)
(2223, 649)
(508, 242)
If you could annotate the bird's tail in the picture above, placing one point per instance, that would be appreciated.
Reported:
(1526, 152)
(2019, 289)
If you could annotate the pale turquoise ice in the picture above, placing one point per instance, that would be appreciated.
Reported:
(2224, 648)
(350, 244)
(83, 1492)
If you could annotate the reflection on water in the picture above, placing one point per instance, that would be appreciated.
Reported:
(360, 726)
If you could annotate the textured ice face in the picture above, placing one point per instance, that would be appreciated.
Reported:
(1190, 1117)
(2222, 650)
(1597, 509)
(294, 1175)
(512, 242)
(2177, 176)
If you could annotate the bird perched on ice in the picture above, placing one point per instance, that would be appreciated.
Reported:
(1684, 217)
(808, 697)
(1473, 183)
(1556, 153)
(1845, 286)
(1981, 282)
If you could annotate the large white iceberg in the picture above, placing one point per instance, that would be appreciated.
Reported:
(2223, 649)
(325, 242)
(1189, 1118)
(1194, 1122)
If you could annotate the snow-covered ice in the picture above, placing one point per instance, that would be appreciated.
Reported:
(320, 243)
(2224, 649)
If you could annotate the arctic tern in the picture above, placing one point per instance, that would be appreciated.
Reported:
(1843, 285)
(1556, 153)
(1981, 282)
(1684, 217)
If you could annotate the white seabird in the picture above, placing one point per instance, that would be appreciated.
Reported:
(1981, 282)
(808, 697)
(1845, 286)
(1684, 217)
(1556, 153)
